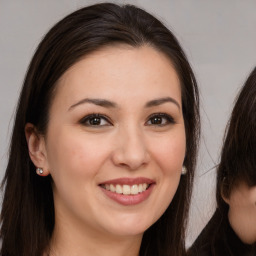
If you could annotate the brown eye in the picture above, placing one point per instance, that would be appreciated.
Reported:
(156, 120)
(95, 120)
(160, 119)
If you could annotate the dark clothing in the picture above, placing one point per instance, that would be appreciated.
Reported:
(219, 239)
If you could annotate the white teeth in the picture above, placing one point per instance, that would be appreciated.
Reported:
(119, 189)
(112, 188)
(144, 186)
(134, 190)
(127, 189)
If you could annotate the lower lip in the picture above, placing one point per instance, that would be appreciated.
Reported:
(129, 199)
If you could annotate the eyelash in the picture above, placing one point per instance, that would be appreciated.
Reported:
(90, 117)
(169, 119)
(87, 120)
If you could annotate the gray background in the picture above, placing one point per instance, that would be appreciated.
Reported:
(219, 37)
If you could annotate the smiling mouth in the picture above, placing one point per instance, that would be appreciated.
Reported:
(126, 189)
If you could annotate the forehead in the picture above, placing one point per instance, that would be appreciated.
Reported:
(121, 69)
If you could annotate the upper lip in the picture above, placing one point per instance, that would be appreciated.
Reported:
(128, 181)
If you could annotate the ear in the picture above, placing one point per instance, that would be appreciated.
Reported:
(223, 193)
(36, 148)
(226, 199)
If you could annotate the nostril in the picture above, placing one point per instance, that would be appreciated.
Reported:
(131, 151)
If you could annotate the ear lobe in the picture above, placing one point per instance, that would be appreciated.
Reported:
(36, 148)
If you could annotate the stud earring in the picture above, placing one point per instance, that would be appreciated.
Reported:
(184, 170)
(39, 170)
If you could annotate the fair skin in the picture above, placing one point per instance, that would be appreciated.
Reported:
(116, 123)
(242, 212)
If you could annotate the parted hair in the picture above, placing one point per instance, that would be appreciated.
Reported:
(27, 217)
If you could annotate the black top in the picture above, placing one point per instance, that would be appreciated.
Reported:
(219, 239)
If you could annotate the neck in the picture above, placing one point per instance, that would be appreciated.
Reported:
(73, 240)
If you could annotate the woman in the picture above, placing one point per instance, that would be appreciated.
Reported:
(232, 229)
(109, 107)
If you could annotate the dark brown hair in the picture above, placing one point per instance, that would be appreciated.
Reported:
(28, 208)
(238, 159)
(237, 164)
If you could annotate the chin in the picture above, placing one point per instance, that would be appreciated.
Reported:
(130, 227)
(247, 239)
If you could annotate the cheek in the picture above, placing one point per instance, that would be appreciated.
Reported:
(243, 206)
(242, 215)
(169, 153)
(252, 218)
(73, 153)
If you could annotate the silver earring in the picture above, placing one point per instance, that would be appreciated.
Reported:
(39, 170)
(184, 170)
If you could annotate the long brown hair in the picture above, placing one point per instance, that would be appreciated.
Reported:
(238, 159)
(28, 209)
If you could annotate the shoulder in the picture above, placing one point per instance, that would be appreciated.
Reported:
(209, 240)
(219, 239)
(201, 246)
(199, 249)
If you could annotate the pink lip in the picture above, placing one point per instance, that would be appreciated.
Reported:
(129, 199)
(129, 181)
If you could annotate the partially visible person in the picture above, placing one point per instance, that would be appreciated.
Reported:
(232, 229)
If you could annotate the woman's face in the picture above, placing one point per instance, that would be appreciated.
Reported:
(242, 212)
(115, 142)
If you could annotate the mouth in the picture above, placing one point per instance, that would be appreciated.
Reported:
(128, 191)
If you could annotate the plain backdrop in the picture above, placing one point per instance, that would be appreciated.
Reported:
(218, 36)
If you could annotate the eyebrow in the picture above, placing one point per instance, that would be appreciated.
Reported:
(98, 102)
(109, 104)
(161, 101)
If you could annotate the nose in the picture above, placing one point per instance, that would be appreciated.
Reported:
(131, 150)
